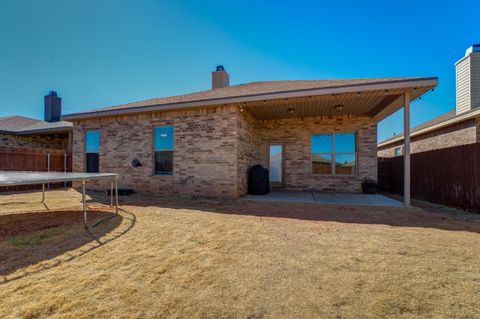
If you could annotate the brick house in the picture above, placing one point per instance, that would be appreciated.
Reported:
(312, 135)
(50, 133)
(460, 126)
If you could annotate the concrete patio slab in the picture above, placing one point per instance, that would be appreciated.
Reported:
(355, 199)
(283, 196)
(326, 198)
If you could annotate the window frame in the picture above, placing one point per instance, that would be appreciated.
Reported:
(400, 148)
(85, 151)
(154, 150)
(333, 153)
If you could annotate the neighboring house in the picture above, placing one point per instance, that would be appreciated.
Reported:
(52, 133)
(457, 127)
(312, 135)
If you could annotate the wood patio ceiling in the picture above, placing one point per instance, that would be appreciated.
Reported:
(377, 104)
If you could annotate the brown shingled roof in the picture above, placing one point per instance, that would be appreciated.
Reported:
(25, 125)
(15, 123)
(250, 89)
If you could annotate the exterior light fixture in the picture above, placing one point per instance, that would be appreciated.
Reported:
(291, 111)
(338, 107)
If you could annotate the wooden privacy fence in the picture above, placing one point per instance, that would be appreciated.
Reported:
(33, 159)
(449, 176)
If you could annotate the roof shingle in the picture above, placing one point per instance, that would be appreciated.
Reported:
(22, 125)
(250, 89)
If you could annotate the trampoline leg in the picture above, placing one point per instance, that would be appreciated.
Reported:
(43, 193)
(111, 193)
(116, 195)
(84, 204)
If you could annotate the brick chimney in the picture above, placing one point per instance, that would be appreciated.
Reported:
(220, 78)
(53, 107)
(467, 71)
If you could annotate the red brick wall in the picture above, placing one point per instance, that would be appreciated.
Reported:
(204, 151)
(57, 142)
(295, 135)
(214, 148)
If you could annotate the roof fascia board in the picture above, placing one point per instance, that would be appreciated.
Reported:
(46, 131)
(7, 132)
(422, 82)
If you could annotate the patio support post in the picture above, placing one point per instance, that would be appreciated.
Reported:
(84, 202)
(48, 167)
(43, 192)
(406, 150)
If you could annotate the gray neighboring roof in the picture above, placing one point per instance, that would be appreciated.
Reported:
(24, 125)
(15, 123)
(238, 93)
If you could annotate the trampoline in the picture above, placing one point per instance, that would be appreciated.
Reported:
(15, 178)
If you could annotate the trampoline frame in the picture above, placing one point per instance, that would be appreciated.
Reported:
(65, 177)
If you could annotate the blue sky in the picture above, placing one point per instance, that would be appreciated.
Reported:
(101, 53)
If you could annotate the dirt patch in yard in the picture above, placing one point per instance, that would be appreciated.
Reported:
(29, 238)
(22, 223)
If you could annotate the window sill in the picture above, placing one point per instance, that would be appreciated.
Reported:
(162, 174)
(335, 175)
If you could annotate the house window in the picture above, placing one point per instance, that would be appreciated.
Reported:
(92, 148)
(334, 153)
(163, 149)
(398, 151)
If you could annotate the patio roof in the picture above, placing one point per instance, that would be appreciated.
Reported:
(377, 97)
(377, 104)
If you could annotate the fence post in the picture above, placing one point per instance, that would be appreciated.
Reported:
(65, 167)
(48, 166)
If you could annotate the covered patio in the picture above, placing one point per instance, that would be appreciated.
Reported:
(324, 138)
(326, 198)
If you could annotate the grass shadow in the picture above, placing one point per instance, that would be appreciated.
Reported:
(32, 242)
(419, 216)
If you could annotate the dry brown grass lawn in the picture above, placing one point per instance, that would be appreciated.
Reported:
(168, 258)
